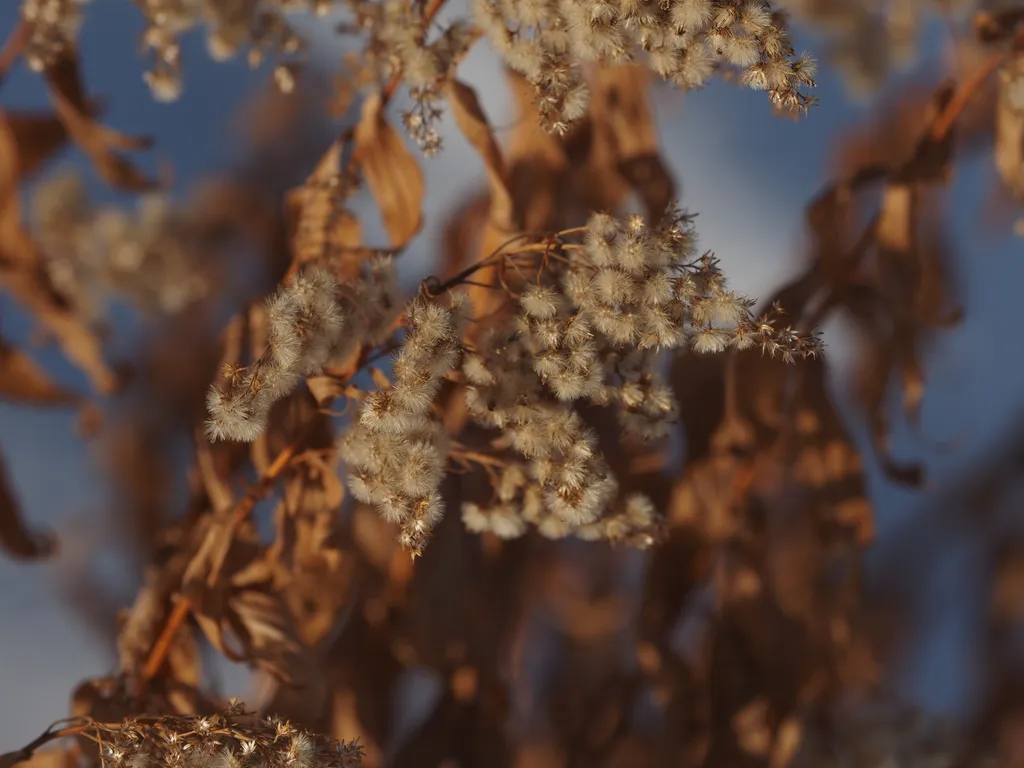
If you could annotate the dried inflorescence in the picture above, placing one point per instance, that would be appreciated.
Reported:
(258, 26)
(684, 41)
(311, 322)
(397, 451)
(544, 408)
(229, 739)
(402, 44)
(591, 331)
(159, 256)
(52, 28)
(550, 42)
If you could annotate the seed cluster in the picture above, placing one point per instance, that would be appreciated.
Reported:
(592, 332)
(257, 26)
(305, 323)
(589, 330)
(158, 255)
(397, 451)
(684, 41)
(229, 739)
(402, 43)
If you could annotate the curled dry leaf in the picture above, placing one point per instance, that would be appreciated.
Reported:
(932, 159)
(15, 537)
(502, 219)
(37, 135)
(625, 138)
(231, 591)
(22, 380)
(80, 344)
(22, 273)
(896, 222)
(327, 389)
(537, 163)
(896, 235)
(15, 246)
(392, 173)
(314, 573)
(1009, 135)
(319, 227)
(471, 120)
(261, 621)
(218, 487)
(100, 143)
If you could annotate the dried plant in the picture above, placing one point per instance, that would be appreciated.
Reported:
(512, 417)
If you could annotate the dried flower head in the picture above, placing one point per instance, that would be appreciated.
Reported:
(228, 739)
(550, 42)
(397, 451)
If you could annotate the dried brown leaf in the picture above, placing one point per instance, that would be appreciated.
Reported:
(471, 120)
(16, 539)
(230, 587)
(263, 624)
(331, 491)
(80, 344)
(1009, 133)
(22, 380)
(315, 575)
(392, 173)
(319, 227)
(14, 245)
(21, 271)
(620, 104)
(100, 143)
(932, 159)
(625, 139)
(537, 164)
(896, 222)
(327, 389)
(217, 486)
(374, 537)
(208, 600)
(37, 136)
(379, 378)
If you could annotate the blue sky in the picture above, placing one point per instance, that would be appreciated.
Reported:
(746, 173)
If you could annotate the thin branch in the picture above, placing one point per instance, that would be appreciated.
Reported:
(962, 97)
(239, 514)
(10, 759)
(13, 47)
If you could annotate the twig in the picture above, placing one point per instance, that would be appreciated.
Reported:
(12, 49)
(239, 514)
(432, 287)
(10, 759)
(962, 97)
(163, 642)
